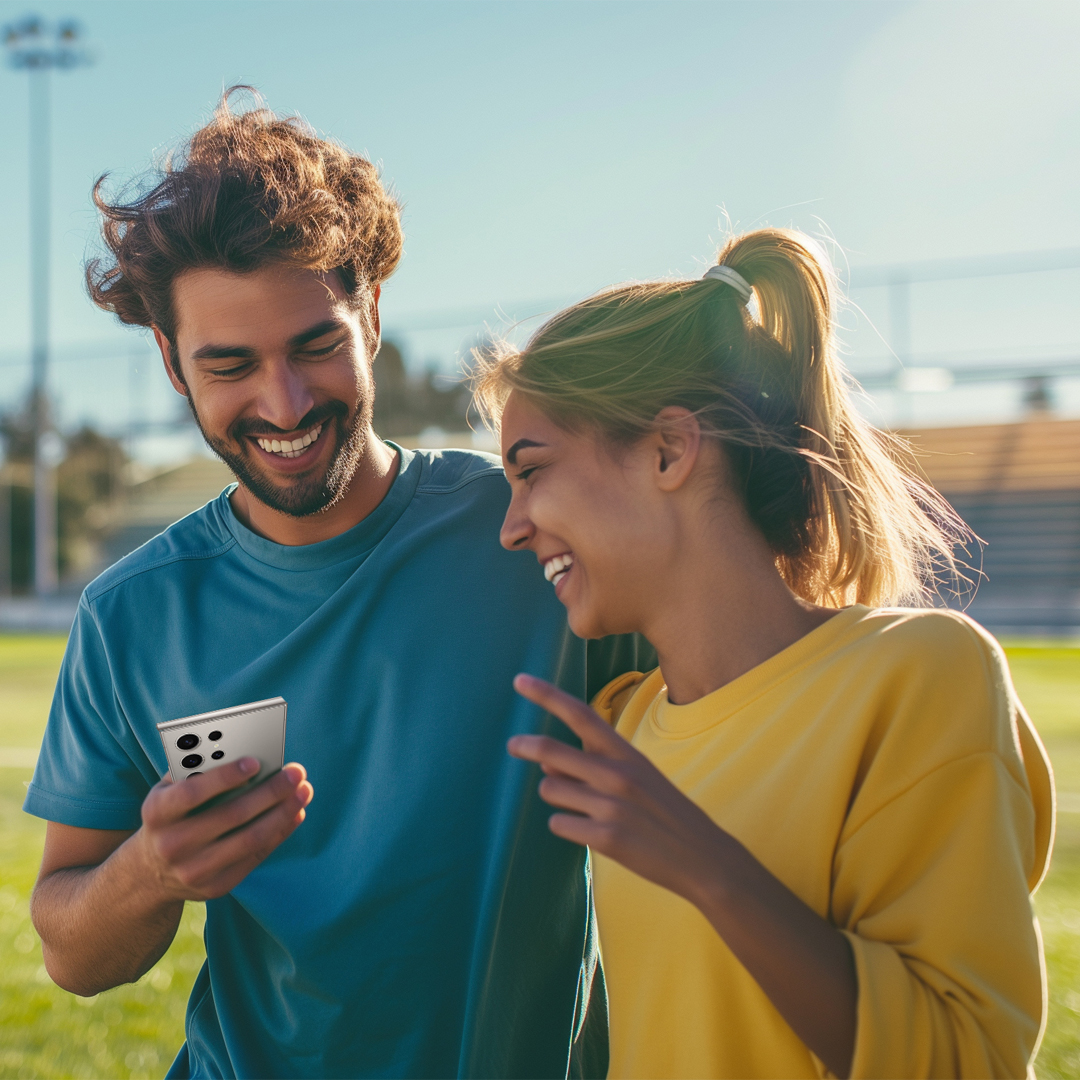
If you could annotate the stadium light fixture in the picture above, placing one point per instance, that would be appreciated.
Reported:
(39, 47)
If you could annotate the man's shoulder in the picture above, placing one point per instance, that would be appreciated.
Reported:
(448, 471)
(200, 535)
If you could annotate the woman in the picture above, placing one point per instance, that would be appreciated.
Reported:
(816, 825)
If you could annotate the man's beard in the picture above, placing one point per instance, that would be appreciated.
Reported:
(303, 494)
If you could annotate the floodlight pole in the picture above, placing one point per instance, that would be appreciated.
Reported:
(46, 572)
(35, 47)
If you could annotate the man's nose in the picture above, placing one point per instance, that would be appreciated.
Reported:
(284, 397)
(517, 530)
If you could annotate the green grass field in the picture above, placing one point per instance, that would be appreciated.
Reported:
(135, 1031)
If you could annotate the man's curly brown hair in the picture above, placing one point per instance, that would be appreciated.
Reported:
(249, 190)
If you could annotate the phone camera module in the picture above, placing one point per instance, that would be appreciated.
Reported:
(187, 742)
(192, 761)
(217, 755)
(214, 736)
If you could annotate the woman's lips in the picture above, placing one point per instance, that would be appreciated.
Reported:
(557, 567)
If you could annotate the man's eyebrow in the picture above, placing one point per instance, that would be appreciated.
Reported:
(245, 352)
(521, 444)
(319, 330)
(223, 352)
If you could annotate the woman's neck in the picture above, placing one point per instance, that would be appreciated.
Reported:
(722, 610)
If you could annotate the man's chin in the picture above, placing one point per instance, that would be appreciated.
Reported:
(300, 496)
(298, 499)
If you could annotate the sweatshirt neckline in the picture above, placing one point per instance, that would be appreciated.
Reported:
(674, 721)
(359, 540)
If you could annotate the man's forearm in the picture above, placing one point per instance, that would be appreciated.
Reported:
(104, 925)
(108, 902)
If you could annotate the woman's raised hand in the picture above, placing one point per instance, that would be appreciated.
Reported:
(620, 804)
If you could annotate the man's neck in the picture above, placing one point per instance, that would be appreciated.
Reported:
(375, 473)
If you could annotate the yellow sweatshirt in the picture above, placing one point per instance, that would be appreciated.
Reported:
(884, 770)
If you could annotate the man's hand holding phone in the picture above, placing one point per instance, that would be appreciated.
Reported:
(108, 902)
(199, 856)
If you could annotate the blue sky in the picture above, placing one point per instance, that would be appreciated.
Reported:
(543, 150)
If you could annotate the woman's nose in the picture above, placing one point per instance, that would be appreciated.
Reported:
(517, 530)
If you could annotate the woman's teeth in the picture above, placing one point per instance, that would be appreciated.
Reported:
(556, 569)
(291, 448)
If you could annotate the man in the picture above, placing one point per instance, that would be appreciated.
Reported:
(416, 918)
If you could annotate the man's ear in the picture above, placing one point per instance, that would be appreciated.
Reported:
(376, 322)
(166, 356)
(676, 446)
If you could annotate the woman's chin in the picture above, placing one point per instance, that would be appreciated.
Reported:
(587, 623)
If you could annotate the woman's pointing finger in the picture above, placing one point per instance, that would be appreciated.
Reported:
(595, 735)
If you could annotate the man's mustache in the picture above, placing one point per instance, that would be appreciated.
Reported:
(254, 427)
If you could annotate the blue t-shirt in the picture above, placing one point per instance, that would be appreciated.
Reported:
(423, 921)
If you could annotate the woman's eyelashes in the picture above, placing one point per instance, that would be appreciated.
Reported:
(527, 470)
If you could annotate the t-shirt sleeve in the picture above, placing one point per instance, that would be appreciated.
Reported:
(931, 890)
(91, 771)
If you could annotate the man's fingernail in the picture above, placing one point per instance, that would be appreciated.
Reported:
(249, 764)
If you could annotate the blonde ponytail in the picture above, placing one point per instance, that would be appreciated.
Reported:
(839, 501)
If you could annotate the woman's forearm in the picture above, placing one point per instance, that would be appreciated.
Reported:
(801, 961)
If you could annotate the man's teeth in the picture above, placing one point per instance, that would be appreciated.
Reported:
(556, 569)
(291, 448)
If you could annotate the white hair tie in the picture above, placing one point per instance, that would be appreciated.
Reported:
(733, 278)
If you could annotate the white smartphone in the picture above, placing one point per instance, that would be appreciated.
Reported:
(194, 744)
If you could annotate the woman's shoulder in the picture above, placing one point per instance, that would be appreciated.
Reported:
(925, 649)
(945, 694)
(937, 635)
(932, 669)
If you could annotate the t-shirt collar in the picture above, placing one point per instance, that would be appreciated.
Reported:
(358, 540)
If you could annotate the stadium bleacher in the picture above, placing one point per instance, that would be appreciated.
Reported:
(1018, 488)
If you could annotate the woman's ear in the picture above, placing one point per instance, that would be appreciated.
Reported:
(676, 445)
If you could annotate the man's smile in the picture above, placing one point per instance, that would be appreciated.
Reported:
(286, 446)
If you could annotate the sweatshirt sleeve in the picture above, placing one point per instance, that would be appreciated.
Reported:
(931, 889)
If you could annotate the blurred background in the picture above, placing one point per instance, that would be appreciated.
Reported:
(542, 151)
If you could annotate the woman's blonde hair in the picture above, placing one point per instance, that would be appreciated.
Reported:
(839, 502)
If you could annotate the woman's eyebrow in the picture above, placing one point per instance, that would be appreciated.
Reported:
(521, 444)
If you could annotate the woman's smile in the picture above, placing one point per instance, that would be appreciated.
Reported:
(557, 567)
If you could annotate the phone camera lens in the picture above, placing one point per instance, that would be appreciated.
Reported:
(214, 736)
(192, 761)
(191, 774)
(217, 755)
(188, 741)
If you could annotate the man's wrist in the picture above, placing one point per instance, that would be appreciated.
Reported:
(140, 873)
